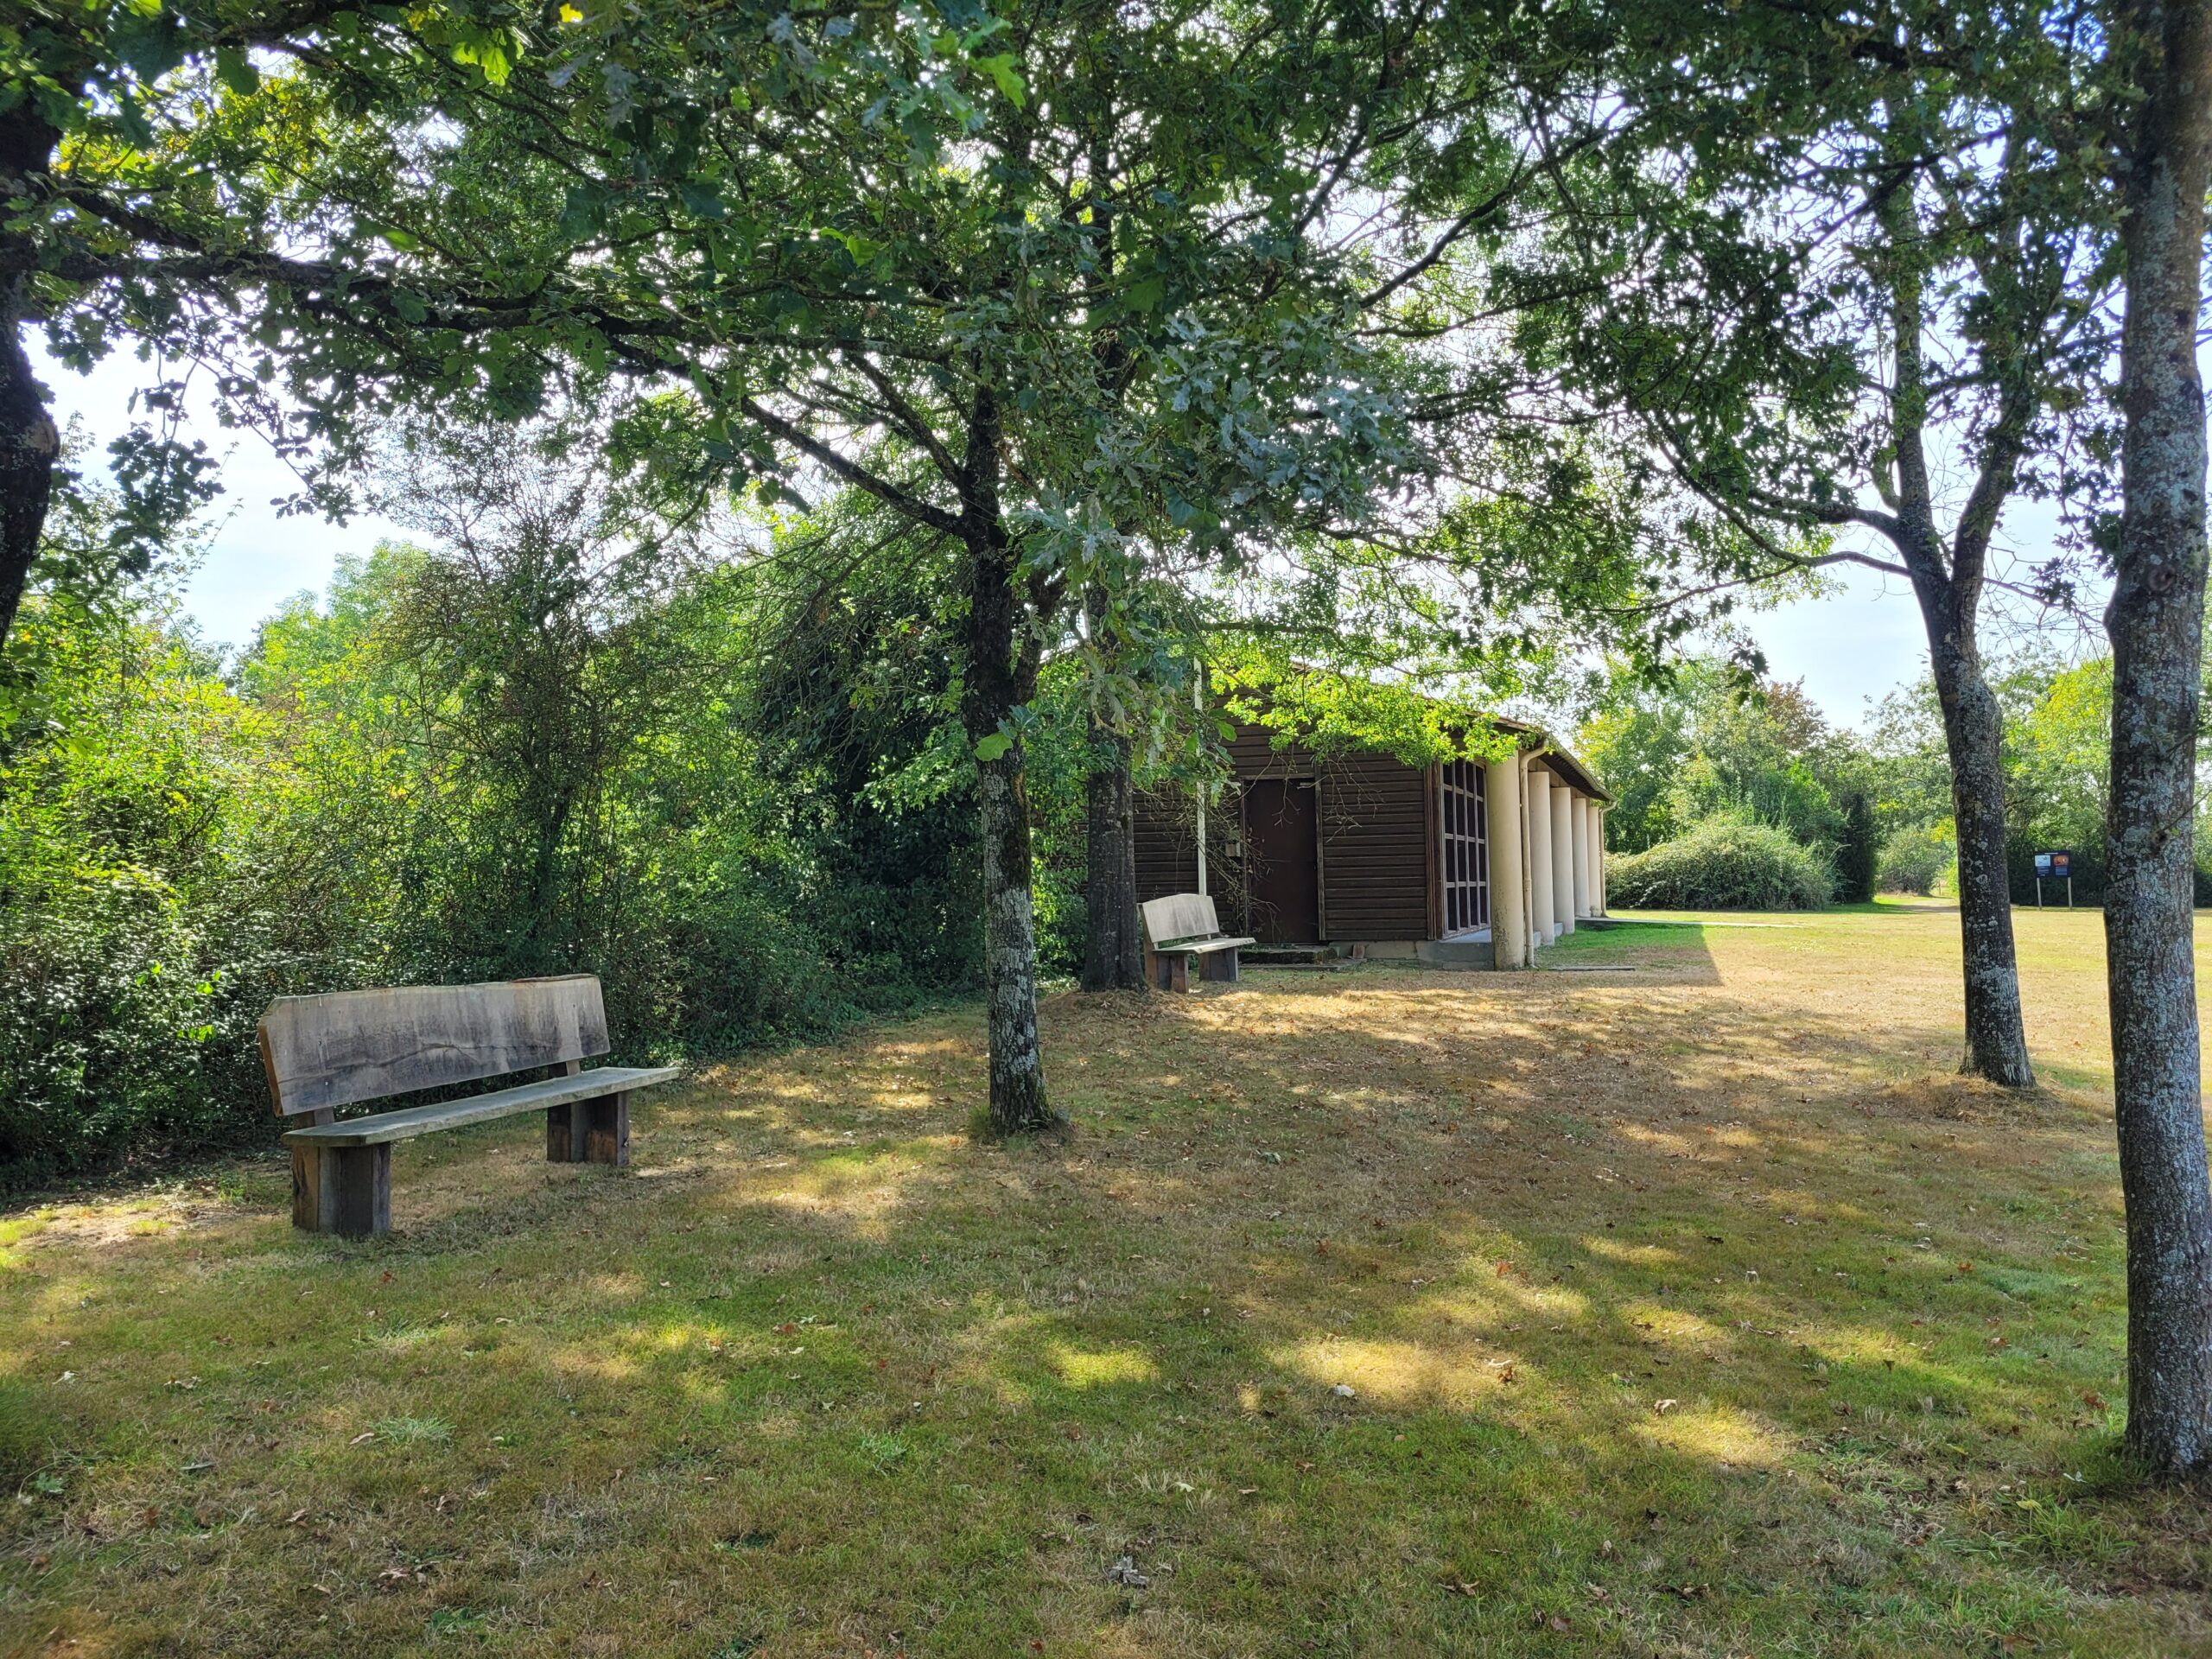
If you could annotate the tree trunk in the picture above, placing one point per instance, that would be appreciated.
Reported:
(1000, 674)
(28, 447)
(1019, 1104)
(1948, 591)
(2156, 622)
(29, 444)
(1974, 732)
(1113, 955)
(1113, 958)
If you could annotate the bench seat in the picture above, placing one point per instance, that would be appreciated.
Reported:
(1201, 947)
(404, 1125)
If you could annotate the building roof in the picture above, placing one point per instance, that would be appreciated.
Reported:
(1556, 756)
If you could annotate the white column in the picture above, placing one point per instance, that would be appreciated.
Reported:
(1579, 824)
(1602, 911)
(1563, 857)
(1508, 911)
(1543, 893)
(1202, 839)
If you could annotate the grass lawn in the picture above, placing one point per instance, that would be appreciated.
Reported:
(1681, 1303)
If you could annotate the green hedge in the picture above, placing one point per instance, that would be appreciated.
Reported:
(1721, 864)
(1920, 859)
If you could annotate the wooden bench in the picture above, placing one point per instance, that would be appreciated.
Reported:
(1178, 928)
(322, 1052)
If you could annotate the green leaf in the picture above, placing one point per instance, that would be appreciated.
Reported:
(994, 747)
(1000, 67)
(703, 200)
(237, 72)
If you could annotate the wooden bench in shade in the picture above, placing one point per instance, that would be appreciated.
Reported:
(1182, 926)
(352, 1048)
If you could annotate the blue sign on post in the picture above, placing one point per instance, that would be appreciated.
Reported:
(2058, 867)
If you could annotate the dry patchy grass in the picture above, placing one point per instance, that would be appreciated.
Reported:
(1693, 1309)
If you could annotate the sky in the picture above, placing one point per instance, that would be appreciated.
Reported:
(257, 559)
(1849, 647)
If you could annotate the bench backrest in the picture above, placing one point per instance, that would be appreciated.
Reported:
(1180, 916)
(349, 1046)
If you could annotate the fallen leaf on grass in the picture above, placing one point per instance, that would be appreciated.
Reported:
(1124, 1572)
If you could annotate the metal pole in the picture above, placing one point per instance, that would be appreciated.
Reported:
(1198, 702)
(2069, 892)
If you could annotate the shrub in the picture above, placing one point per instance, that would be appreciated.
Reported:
(1723, 863)
(1858, 853)
(1916, 859)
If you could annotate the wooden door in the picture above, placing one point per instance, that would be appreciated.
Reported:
(1282, 853)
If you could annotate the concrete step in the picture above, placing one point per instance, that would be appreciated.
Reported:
(1290, 955)
(1464, 954)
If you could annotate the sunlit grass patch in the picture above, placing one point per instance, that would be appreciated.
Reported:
(1103, 1368)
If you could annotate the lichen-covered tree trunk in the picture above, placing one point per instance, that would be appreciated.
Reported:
(1997, 1041)
(1000, 675)
(1018, 1103)
(2156, 622)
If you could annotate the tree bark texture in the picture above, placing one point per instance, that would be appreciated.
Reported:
(1001, 674)
(1018, 1101)
(2156, 622)
(1113, 958)
(1113, 954)
(30, 445)
(1974, 733)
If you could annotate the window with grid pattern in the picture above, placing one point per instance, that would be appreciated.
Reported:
(1465, 821)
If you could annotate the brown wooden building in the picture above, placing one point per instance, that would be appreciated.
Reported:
(1360, 849)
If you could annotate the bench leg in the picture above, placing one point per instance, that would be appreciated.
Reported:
(565, 1127)
(307, 1188)
(1178, 975)
(607, 1134)
(1219, 965)
(589, 1131)
(343, 1189)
